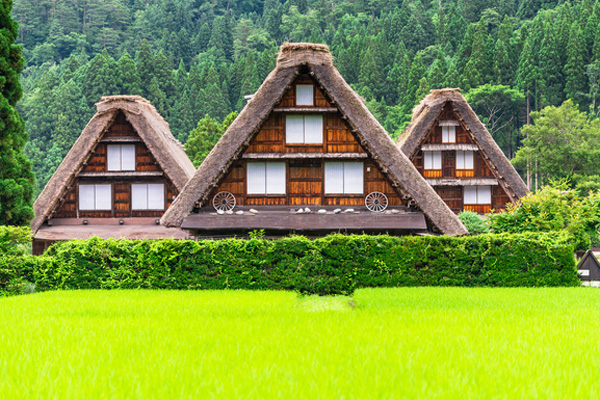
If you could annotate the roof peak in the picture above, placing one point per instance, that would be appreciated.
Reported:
(294, 54)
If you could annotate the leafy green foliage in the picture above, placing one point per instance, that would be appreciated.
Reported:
(473, 222)
(333, 264)
(554, 208)
(15, 241)
(205, 136)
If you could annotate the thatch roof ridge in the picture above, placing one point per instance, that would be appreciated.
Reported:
(150, 126)
(373, 135)
(424, 116)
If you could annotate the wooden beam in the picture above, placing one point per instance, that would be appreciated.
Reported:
(299, 156)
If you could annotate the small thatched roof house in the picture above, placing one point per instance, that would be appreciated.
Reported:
(307, 140)
(458, 156)
(117, 180)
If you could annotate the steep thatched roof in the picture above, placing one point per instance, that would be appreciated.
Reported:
(426, 113)
(292, 58)
(149, 125)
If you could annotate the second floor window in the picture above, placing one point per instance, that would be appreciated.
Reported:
(433, 159)
(148, 196)
(304, 95)
(95, 197)
(464, 159)
(478, 195)
(265, 177)
(303, 129)
(344, 178)
(120, 157)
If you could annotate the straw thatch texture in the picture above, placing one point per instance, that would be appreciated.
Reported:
(425, 115)
(150, 126)
(373, 137)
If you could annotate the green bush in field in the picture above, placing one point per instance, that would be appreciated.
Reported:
(473, 222)
(553, 208)
(330, 265)
(15, 240)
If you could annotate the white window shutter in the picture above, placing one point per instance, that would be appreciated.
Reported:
(353, 178)
(113, 157)
(304, 95)
(470, 195)
(334, 177)
(256, 178)
(103, 197)
(275, 178)
(469, 159)
(87, 197)
(428, 156)
(128, 157)
(139, 197)
(460, 159)
(451, 134)
(445, 134)
(437, 160)
(294, 129)
(484, 194)
(313, 129)
(156, 196)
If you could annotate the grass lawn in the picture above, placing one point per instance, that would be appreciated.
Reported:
(381, 343)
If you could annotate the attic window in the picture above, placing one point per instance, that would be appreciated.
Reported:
(448, 134)
(265, 177)
(304, 95)
(120, 157)
(304, 129)
(148, 196)
(344, 178)
(478, 195)
(95, 197)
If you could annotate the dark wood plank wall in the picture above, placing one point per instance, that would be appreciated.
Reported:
(121, 187)
(305, 178)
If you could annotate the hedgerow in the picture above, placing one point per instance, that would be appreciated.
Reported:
(330, 265)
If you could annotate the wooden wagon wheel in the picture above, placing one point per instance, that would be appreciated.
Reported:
(376, 202)
(223, 201)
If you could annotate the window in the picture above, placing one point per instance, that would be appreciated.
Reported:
(478, 195)
(121, 157)
(448, 134)
(148, 196)
(265, 177)
(304, 129)
(464, 159)
(344, 178)
(433, 159)
(95, 197)
(304, 95)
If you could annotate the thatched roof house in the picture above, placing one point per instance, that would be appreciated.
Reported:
(306, 124)
(458, 156)
(117, 179)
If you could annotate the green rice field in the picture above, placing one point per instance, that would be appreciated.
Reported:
(413, 343)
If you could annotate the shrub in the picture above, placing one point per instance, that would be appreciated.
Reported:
(473, 222)
(15, 240)
(329, 265)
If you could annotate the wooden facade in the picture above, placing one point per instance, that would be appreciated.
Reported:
(449, 181)
(305, 163)
(95, 171)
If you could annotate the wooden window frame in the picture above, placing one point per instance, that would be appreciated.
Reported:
(348, 195)
(131, 209)
(112, 194)
(120, 146)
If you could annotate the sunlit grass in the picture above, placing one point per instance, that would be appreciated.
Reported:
(381, 343)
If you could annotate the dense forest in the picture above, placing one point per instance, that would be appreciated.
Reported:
(195, 60)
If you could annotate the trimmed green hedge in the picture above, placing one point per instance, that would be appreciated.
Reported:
(329, 265)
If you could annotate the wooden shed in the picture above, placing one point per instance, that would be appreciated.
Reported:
(306, 155)
(120, 176)
(453, 150)
(588, 267)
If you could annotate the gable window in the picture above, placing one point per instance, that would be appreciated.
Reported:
(344, 178)
(302, 129)
(120, 157)
(148, 196)
(464, 159)
(265, 177)
(448, 134)
(478, 195)
(95, 197)
(304, 95)
(433, 159)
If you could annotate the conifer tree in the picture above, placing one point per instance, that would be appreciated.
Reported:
(551, 69)
(131, 83)
(437, 72)
(527, 76)
(478, 69)
(16, 177)
(417, 71)
(452, 78)
(574, 70)
(145, 66)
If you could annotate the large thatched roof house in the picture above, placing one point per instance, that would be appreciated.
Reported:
(457, 155)
(306, 155)
(117, 180)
